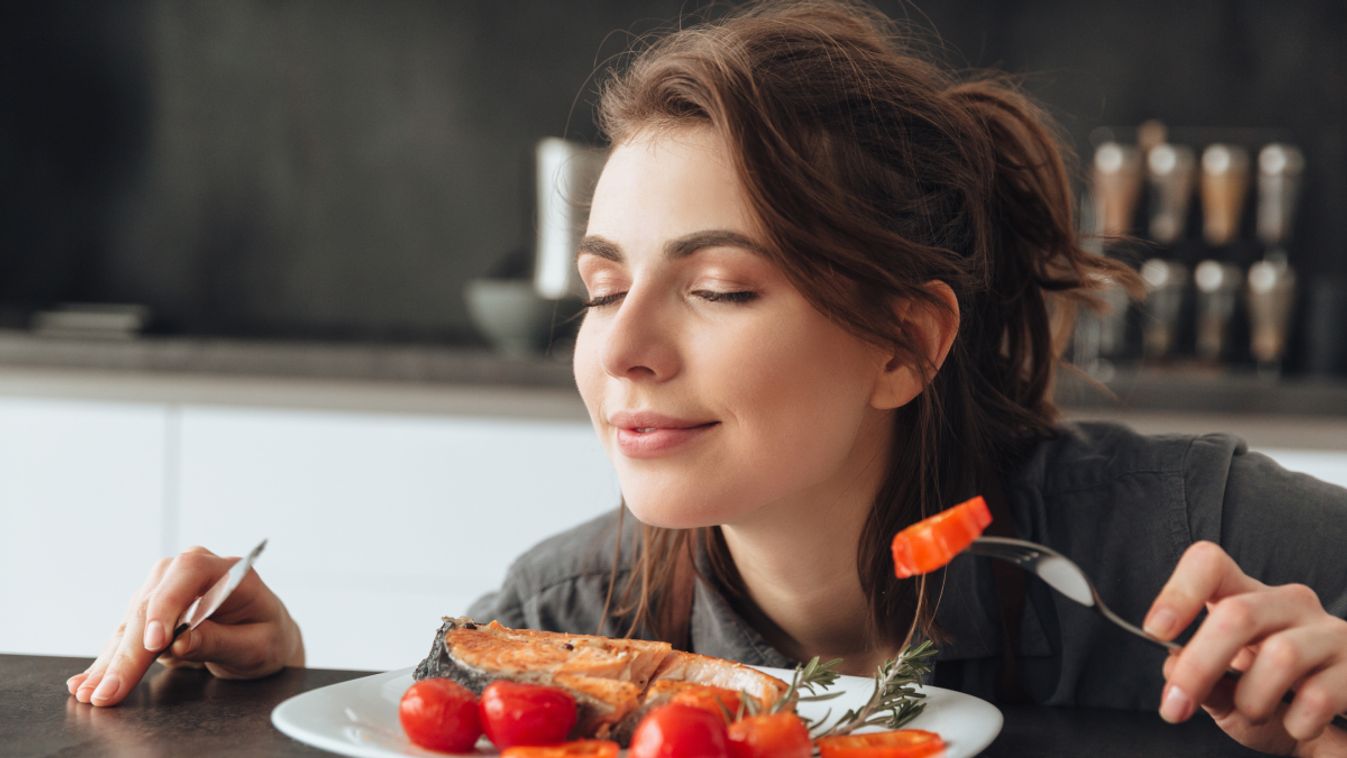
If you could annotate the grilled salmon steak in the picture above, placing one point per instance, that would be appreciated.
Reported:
(613, 681)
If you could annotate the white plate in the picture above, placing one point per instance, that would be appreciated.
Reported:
(360, 717)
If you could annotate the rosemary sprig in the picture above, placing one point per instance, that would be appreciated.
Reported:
(895, 700)
(807, 677)
(815, 674)
(810, 678)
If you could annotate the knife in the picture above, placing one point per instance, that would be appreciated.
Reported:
(202, 608)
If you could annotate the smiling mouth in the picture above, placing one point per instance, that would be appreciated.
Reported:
(648, 429)
(655, 441)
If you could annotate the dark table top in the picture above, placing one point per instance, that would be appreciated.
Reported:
(188, 712)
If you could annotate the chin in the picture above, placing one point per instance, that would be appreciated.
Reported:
(673, 513)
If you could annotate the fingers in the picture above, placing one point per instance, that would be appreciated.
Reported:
(124, 667)
(1234, 623)
(88, 679)
(188, 576)
(1205, 573)
(1318, 699)
(92, 679)
(125, 658)
(1282, 661)
(82, 685)
(232, 651)
(1280, 637)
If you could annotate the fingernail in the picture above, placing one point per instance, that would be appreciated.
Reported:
(107, 689)
(154, 635)
(1160, 623)
(1176, 706)
(86, 688)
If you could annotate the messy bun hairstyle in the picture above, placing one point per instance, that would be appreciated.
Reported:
(872, 172)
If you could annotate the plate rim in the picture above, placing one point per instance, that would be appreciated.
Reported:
(334, 744)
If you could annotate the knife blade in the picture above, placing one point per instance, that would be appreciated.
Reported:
(202, 608)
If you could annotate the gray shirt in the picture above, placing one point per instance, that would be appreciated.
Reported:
(1122, 505)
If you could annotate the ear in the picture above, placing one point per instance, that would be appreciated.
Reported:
(934, 325)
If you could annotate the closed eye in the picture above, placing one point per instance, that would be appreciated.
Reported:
(727, 297)
(602, 300)
(711, 296)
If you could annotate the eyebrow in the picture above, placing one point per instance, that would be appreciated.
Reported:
(679, 247)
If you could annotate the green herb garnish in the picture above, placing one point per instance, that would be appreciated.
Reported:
(895, 700)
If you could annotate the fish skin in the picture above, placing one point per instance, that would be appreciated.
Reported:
(439, 664)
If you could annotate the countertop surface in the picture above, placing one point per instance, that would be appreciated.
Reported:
(189, 712)
(425, 363)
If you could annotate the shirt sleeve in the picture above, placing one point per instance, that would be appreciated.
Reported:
(1280, 526)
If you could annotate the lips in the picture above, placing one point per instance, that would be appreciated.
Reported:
(645, 434)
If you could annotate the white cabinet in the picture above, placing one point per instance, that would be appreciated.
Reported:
(379, 523)
(82, 518)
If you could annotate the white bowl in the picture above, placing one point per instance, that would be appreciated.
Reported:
(515, 319)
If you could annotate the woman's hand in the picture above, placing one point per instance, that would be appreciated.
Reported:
(250, 635)
(1279, 637)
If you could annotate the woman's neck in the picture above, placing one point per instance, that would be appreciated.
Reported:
(798, 563)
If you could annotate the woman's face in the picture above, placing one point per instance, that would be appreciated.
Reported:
(719, 392)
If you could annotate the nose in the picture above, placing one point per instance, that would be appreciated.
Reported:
(640, 342)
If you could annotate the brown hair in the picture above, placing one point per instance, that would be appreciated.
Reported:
(872, 172)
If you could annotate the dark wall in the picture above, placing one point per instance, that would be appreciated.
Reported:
(341, 168)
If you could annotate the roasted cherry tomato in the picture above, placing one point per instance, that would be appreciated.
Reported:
(440, 715)
(901, 743)
(526, 714)
(577, 749)
(778, 735)
(679, 731)
(932, 542)
(709, 698)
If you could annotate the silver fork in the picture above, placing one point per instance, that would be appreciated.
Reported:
(1062, 574)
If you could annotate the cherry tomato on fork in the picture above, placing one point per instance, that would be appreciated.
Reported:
(679, 731)
(899, 743)
(776, 735)
(932, 542)
(526, 714)
(440, 715)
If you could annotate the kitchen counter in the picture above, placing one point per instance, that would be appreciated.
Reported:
(424, 363)
(416, 379)
(190, 712)
(445, 379)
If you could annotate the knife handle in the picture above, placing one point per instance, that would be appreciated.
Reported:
(177, 632)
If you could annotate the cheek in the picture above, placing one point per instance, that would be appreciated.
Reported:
(585, 365)
(801, 411)
(792, 398)
(794, 412)
(799, 374)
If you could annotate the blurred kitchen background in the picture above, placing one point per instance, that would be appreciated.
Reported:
(272, 268)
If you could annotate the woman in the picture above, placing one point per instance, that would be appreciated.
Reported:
(826, 285)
